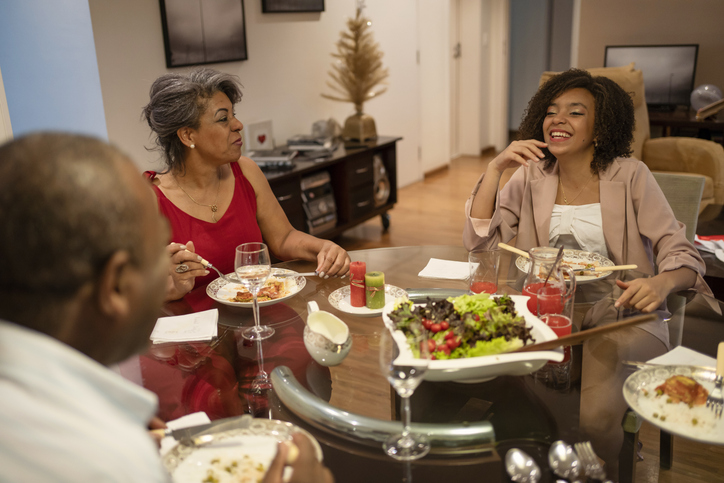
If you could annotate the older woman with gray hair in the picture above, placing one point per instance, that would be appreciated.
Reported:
(214, 198)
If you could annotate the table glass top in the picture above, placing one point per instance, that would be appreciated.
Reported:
(579, 399)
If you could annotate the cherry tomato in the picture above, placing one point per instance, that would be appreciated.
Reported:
(476, 317)
(426, 323)
(444, 325)
(435, 328)
(449, 335)
(430, 345)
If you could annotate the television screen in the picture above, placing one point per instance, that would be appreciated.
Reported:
(668, 70)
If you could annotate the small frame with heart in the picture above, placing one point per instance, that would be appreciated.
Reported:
(259, 135)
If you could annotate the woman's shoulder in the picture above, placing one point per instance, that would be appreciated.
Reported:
(153, 177)
(623, 168)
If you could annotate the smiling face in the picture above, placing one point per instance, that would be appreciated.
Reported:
(568, 125)
(218, 135)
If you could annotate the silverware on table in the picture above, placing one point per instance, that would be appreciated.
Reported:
(591, 464)
(715, 401)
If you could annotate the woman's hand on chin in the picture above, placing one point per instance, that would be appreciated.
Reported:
(332, 260)
(185, 267)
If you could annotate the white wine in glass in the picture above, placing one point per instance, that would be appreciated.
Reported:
(253, 267)
(405, 373)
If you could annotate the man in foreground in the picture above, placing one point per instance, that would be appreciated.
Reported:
(82, 283)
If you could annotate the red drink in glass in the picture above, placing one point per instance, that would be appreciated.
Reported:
(483, 287)
(552, 304)
(560, 324)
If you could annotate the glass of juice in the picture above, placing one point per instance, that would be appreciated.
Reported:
(555, 309)
(484, 266)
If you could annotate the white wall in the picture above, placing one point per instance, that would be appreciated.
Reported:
(6, 129)
(289, 57)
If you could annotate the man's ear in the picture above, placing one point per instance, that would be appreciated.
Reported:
(113, 287)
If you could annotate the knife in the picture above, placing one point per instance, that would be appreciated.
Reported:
(193, 435)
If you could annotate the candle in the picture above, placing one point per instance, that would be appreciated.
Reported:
(375, 289)
(357, 284)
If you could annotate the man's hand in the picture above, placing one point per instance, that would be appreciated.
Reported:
(306, 468)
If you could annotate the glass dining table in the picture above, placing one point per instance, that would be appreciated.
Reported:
(349, 408)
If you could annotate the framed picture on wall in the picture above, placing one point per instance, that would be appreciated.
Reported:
(279, 6)
(203, 32)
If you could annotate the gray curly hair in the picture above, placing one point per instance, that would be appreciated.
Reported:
(179, 100)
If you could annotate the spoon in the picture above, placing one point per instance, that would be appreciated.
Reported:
(564, 461)
(521, 467)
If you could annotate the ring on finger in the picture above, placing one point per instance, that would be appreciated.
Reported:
(182, 268)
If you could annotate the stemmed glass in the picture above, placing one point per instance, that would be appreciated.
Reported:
(405, 369)
(253, 267)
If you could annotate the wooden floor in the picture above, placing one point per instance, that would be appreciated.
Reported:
(430, 212)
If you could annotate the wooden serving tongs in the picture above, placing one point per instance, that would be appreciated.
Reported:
(579, 337)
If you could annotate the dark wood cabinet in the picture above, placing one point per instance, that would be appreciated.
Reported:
(363, 181)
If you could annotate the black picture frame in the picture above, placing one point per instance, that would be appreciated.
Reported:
(291, 6)
(212, 33)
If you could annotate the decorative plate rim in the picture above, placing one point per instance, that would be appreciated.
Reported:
(523, 263)
(341, 293)
(248, 426)
(653, 376)
(213, 288)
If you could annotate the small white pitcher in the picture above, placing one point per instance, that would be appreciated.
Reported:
(326, 337)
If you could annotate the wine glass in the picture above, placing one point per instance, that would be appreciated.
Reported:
(405, 365)
(253, 267)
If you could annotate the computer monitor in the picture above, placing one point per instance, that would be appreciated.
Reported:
(668, 70)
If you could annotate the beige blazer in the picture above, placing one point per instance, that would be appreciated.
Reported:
(638, 222)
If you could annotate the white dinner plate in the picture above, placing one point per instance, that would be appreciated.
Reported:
(248, 448)
(485, 368)
(223, 291)
(577, 260)
(639, 390)
(339, 299)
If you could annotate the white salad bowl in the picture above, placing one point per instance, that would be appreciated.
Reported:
(485, 368)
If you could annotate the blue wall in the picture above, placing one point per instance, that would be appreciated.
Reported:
(49, 67)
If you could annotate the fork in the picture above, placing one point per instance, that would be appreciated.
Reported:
(590, 461)
(715, 401)
(207, 264)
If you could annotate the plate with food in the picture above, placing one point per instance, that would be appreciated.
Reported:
(281, 285)
(473, 335)
(238, 451)
(340, 300)
(580, 262)
(674, 399)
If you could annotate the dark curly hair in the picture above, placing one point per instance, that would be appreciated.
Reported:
(179, 100)
(614, 121)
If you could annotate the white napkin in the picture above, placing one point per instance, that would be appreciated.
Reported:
(447, 269)
(183, 328)
(712, 246)
(193, 419)
(681, 355)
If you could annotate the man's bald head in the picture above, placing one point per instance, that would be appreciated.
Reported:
(64, 210)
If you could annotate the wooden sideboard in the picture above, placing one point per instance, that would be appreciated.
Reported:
(352, 179)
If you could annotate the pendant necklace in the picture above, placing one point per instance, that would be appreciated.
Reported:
(214, 207)
(563, 191)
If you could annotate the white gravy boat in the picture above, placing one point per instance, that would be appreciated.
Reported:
(326, 337)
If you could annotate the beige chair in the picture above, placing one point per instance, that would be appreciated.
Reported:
(684, 193)
(677, 155)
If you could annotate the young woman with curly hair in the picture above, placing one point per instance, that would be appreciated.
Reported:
(579, 189)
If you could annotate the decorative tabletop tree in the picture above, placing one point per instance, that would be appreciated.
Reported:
(357, 72)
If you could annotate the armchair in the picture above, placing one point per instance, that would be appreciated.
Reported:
(675, 155)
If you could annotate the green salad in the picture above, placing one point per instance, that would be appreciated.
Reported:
(464, 326)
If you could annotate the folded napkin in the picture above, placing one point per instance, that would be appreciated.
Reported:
(447, 269)
(712, 244)
(200, 326)
(193, 419)
(684, 356)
